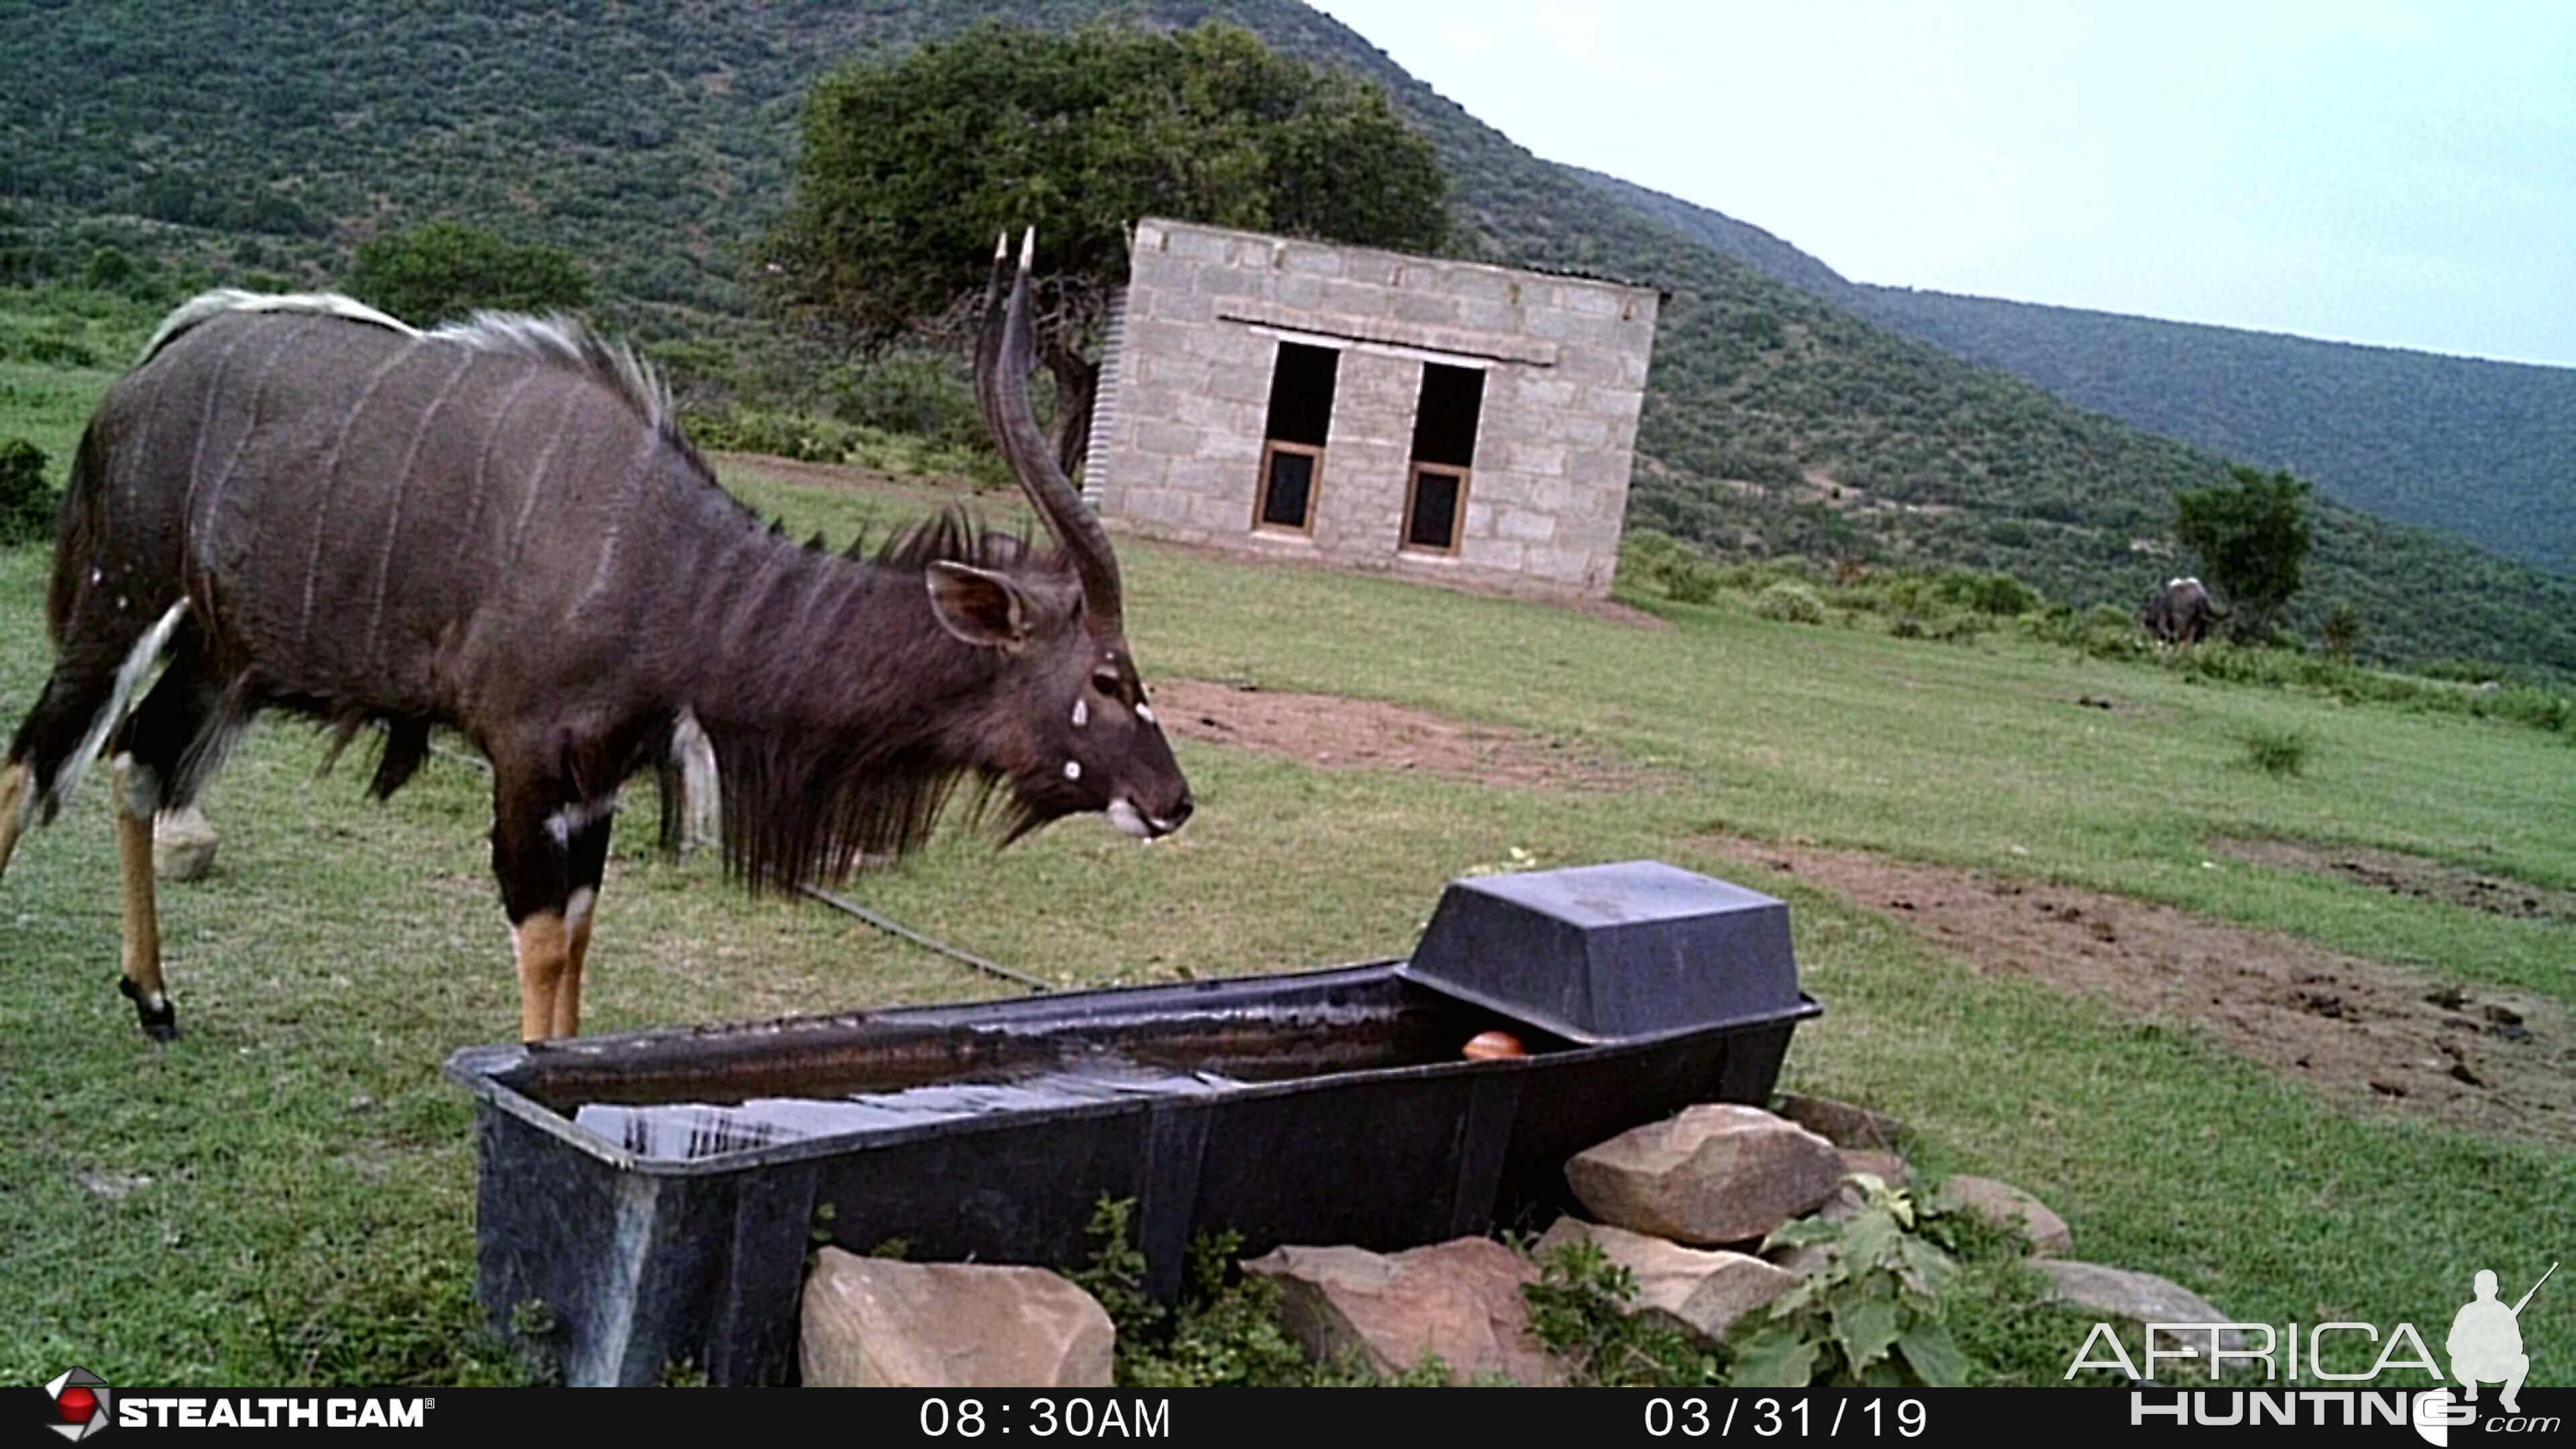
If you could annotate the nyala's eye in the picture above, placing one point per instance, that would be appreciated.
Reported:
(1111, 684)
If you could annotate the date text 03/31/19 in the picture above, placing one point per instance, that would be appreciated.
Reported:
(1769, 1417)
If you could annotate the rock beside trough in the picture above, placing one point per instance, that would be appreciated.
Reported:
(2009, 1206)
(2129, 1296)
(1712, 1174)
(1843, 1124)
(1717, 1173)
(878, 1323)
(1701, 1290)
(1460, 1300)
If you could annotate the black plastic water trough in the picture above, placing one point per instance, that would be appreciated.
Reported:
(657, 1191)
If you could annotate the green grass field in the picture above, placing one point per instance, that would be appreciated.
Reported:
(285, 1194)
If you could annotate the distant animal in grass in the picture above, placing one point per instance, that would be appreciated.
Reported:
(2181, 613)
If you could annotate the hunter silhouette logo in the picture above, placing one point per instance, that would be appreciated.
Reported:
(2485, 1346)
(2486, 1341)
(80, 1404)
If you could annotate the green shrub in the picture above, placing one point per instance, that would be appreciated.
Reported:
(1930, 594)
(910, 393)
(1953, 604)
(2527, 704)
(1791, 603)
(778, 435)
(2520, 703)
(1754, 577)
(445, 271)
(2278, 752)
(26, 502)
(1652, 560)
(809, 439)
(2111, 632)
(1224, 1331)
(1580, 1308)
(46, 349)
(1998, 595)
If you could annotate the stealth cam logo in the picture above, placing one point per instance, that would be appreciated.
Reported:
(80, 1404)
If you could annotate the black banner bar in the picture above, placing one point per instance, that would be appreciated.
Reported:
(998, 1418)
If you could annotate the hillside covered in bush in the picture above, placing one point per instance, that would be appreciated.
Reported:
(165, 147)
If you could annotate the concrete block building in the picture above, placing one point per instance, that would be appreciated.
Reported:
(1372, 410)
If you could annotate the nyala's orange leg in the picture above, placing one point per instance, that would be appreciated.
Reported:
(549, 854)
(17, 787)
(544, 952)
(141, 982)
(567, 1009)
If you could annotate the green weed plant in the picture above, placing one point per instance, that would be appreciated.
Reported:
(2278, 752)
(1223, 1332)
(1868, 1312)
(1583, 1308)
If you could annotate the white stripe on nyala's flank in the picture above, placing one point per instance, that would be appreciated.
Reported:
(139, 661)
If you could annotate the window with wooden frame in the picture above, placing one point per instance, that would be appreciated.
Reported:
(1435, 499)
(1288, 485)
(1292, 449)
(1444, 452)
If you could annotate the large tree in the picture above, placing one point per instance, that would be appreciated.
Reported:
(911, 167)
(2252, 539)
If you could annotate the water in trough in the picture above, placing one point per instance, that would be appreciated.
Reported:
(689, 1131)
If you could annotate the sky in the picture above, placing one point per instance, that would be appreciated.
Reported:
(2397, 174)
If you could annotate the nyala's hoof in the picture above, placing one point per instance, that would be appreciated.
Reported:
(159, 1023)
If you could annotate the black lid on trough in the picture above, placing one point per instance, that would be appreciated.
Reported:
(1596, 952)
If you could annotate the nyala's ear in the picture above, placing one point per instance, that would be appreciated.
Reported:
(978, 606)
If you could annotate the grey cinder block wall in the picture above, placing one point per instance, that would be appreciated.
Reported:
(1373, 410)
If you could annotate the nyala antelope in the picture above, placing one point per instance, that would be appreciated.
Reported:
(497, 528)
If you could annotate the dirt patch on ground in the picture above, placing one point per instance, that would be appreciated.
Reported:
(2406, 875)
(2359, 1032)
(1336, 733)
(2108, 704)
